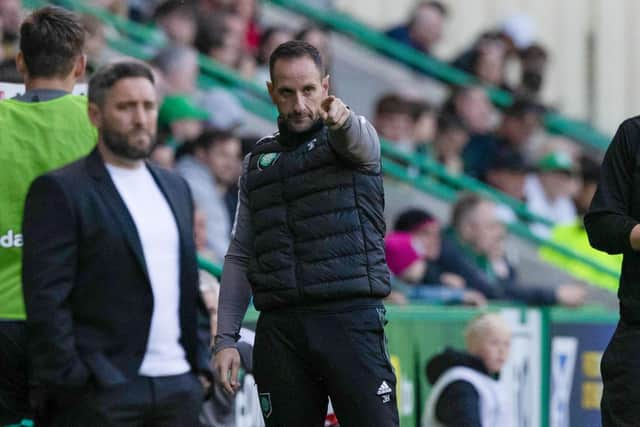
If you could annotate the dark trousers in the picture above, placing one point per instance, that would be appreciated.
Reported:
(300, 358)
(172, 401)
(620, 367)
(14, 401)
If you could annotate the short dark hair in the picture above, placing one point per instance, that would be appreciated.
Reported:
(393, 103)
(296, 49)
(170, 7)
(51, 39)
(107, 76)
(411, 219)
(450, 122)
(463, 208)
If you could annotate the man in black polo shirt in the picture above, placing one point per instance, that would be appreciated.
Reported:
(612, 226)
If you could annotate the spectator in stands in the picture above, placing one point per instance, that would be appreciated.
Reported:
(465, 389)
(209, 194)
(218, 42)
(474, 248)
(317, 37)
(270, 40)
(426, 230)
(424, 131)
(394, 121)
(507, 172)
(179, 68)
(96, 45)
(488, 63)
(11, 14)
(424, 29)
(225, 162)
(247, 11)
(116, 7)
(178, 21)
(180, 120)
(533, 64)
(574, 235)
(42, 129)
(408, 259)
(549, 192)
(519, 123)
(451, 138)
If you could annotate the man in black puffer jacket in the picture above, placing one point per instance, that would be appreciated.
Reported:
(308, 242)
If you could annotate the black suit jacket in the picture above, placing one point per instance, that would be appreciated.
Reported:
(86, 288)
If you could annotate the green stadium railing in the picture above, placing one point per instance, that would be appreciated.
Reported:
(253, 97)
(374, 39)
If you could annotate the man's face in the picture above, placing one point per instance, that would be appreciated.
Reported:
(428, 27)
(179, 27)
(297, 88)
(429, 237)
(127, 120)
(225, 160)
(396, 127)
(510, 182)
(484, 231)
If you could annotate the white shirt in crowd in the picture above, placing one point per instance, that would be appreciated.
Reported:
(158, 233)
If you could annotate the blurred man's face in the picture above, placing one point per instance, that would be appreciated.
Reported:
(507, 181)
(11, 17)
(429, 238)
(127, 120)
(180, 28)
(483, 231)
(451, 142)
(183, 78)
(225, 160)
(558, 184)
(396, 127)
(297, 88)
(428, 26)
(475, 109)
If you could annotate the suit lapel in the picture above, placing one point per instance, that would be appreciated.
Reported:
(116, 205)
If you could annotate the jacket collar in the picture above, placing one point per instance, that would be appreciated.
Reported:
(291, 138)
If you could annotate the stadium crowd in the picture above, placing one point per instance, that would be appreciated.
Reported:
(202, 137)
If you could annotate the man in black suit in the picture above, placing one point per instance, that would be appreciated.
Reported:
(110, 274)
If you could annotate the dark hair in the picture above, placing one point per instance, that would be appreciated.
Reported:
(450, 122)
(51, 39)
(296, 49)
(107, 76)
(411, 219)
(463, 208)
(522, 107)
(211, 34)
(205, 141)
(392, 103)
(300, 35)
(419, 107)
(170, 7)
(437, 5)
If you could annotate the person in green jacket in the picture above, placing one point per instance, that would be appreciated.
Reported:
(42, 129)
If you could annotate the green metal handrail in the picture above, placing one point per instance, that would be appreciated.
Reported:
(374, 39)
(462, 182)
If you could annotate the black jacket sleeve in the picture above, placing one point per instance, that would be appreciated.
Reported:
(458, 405)
(609, 221)
(50, 256)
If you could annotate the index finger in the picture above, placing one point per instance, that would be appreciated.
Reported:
(326, 103)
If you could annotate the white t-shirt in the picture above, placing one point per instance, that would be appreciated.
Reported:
(158, 235)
